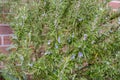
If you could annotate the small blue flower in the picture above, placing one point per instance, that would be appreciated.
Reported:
(85, 36)
(80, 54)
(30, 64)
(49, 42)
(58, 39)
(73, 35)
(56, 46)
(73, 57)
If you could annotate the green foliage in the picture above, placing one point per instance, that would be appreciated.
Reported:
(65, 40)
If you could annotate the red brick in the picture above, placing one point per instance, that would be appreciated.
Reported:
(0, 40)
(114, 4)
(5, 29)
(7, 40)
(3, 49)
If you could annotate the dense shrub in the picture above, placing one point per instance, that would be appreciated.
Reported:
(64, 40)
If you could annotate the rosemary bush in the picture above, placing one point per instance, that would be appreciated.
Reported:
(64, 40)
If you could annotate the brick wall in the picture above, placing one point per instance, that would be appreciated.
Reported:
(6, 32)
(114, 4)
(5, 37)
